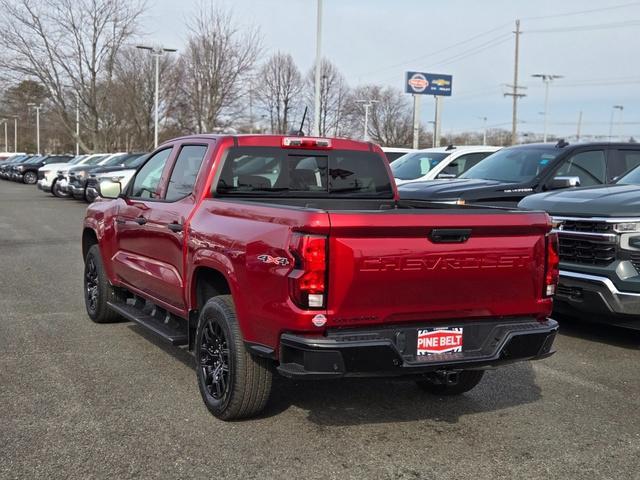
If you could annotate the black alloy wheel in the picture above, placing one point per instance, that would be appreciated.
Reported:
(214, 360)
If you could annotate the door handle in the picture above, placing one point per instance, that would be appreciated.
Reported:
(140, 220)
(175, 227)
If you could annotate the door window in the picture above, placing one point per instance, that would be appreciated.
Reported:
(464, 163)
(145, 185)
(185, 171)
(590, 167)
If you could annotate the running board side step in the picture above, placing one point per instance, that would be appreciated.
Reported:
(156, 325)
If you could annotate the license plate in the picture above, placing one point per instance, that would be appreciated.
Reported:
(439, 340)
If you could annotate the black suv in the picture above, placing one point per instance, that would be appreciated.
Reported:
(599, 232)
(28, 172)
(507, 176)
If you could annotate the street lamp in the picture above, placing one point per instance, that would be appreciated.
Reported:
(37, 107)
(547, 79)
(613, 109)
(156, 52)
(15, 133)
(316, 120)
(6, 144)
(367, 105)
(484, 130)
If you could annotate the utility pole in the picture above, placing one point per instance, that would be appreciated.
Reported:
(547, 79)
(156, 51)
(613, 110)
(37, 107)
(579, 126)
(367, 104)
(316, 110)
(515, 87)
(416, 120)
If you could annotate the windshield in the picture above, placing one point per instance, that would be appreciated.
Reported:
(416, 165)
(34, 160)
(631, 178)
(95, 160)
(136, 160)
(77, 159)
(115, 160)
(253, 171)
(513, 165)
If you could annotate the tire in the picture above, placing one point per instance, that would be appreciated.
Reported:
(97, 289)
(57, 192)
(30, 178)
(467, 380)
(234, 384)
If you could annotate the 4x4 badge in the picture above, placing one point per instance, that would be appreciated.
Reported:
(274, 260)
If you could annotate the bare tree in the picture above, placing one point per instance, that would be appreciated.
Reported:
(217, 59)
(70, 47)
(281, 89)
(390, 118)
(333, 96)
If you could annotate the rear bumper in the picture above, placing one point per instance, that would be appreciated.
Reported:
(391, 351)
(594, 294)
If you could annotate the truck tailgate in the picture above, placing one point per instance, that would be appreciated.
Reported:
(411, 266)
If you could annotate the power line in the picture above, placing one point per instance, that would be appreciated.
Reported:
(428, 55)
(580, 12)
(582, 28)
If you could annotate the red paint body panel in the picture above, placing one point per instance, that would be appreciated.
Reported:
(382, 267)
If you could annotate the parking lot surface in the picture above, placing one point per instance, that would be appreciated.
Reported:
(81, 400)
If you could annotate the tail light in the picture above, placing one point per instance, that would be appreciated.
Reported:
(552, 269)
(308, 279)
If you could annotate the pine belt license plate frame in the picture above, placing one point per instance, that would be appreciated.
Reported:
(439, 341)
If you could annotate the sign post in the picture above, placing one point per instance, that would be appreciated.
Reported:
(420, 83)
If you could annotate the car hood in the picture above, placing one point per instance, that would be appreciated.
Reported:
(52, 166)
(114, 168)
(450, 189)
(600, 201)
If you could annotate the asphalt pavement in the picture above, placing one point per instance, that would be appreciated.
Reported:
(81, 400)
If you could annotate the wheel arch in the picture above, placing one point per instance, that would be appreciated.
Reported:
(89, 239)
(207, 282)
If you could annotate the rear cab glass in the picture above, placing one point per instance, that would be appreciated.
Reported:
(271, 171)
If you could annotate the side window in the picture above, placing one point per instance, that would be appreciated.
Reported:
(629, 160)
(464, 163)
(185, 171)
(590, 167)
(146, 181)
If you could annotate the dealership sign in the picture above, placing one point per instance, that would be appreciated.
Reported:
(428, 83)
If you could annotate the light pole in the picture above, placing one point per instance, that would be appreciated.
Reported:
(484, 130)
(37, 107)
(547, 79)
(156, 52)
(316, 110)
(367, 104)
(6, 143)
(613, 110)
(15, 134)
(77, 124)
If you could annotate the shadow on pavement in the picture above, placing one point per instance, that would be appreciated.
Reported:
(369, 401)
(589, 329)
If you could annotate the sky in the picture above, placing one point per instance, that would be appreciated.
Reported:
(376, 41)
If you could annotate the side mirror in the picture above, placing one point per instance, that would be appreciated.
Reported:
(445, 175)
(563, 182)
(107, 188)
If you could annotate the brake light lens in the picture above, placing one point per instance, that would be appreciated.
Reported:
(308, 279)
(303, 142)
(552, 269)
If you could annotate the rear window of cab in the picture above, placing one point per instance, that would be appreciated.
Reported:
(265, 171)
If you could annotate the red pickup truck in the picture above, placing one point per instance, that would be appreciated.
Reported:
(266, 254)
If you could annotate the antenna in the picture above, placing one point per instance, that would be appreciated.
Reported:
(304, 116)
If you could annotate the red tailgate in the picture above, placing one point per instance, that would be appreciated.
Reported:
(388, 267)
